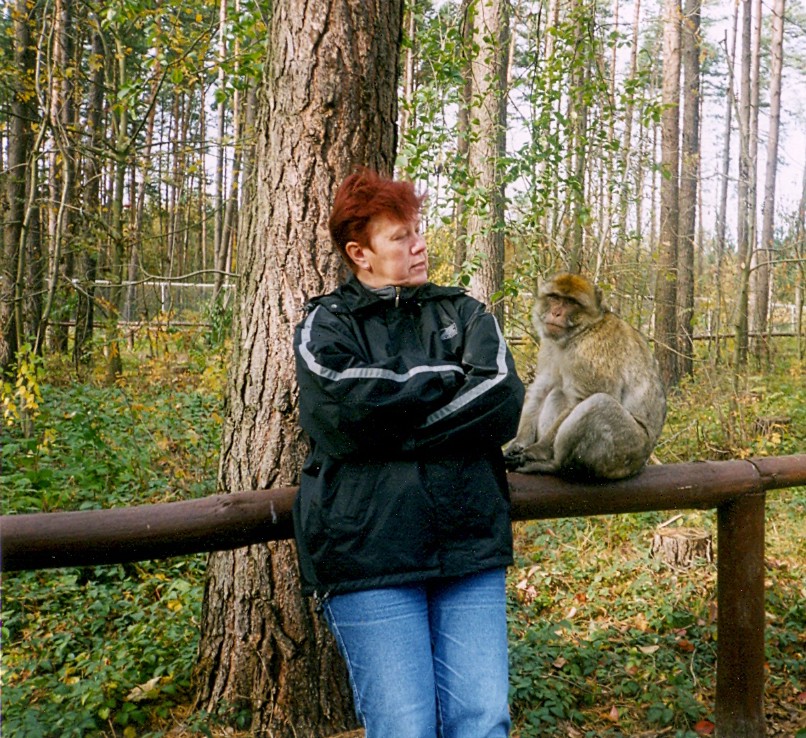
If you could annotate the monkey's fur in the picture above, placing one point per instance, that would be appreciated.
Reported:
(597, 404)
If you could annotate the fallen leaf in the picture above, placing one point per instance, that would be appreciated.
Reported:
(648, 649)
(145, 691)
(613, 715)
(685, 645)
(704, 727)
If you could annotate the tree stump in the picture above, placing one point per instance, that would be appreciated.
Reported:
(679, 547)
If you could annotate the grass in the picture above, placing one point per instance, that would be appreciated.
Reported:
(606, 641)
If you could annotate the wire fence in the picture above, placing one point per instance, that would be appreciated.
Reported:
(182, 302)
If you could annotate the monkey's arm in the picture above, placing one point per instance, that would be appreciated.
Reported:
(545, 399)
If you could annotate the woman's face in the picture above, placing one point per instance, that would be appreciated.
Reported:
(397, 256)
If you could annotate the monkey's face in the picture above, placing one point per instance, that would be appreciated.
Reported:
(558, 315)
(565, 305)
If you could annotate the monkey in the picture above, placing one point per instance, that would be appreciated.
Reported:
(597, 404)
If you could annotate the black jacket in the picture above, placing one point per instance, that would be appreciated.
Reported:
(407, 396)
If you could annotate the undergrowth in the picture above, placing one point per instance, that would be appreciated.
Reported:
(107, 649)
(605, 640)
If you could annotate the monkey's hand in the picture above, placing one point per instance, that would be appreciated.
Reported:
(513, 455)
(539, 457)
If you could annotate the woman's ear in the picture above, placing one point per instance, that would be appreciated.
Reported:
(357, 253)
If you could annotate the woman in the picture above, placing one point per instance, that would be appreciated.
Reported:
(407, 392)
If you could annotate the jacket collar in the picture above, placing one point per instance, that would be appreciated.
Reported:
(357, 297)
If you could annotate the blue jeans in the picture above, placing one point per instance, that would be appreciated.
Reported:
(429, 659)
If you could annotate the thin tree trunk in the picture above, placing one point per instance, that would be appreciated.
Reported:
(486, 148)
(666, 339)
(627, 143)
(462, 139)
(139, 212)
(689, 174)
(609, 161)
(800, 255)
(407, 112)
(763, 274)
(229, 226)
(721, 221)
(218, 195)
(62, 171)
(120, 126)
(93, 172)
(744, 228)
(328, 102)
(203, 189)
(18, 181)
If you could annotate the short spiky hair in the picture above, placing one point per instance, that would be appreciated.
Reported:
(363, 195)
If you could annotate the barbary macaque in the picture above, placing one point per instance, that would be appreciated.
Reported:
(597, 404)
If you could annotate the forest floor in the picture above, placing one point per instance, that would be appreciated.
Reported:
(606, 640)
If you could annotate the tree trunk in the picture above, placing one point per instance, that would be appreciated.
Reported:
(800, 256)
(86, 269)
(763, 273)
(328, 102)
(626, 153)
(721, 221)
(666, 290)
(462, 139)
(219, 245)
(62, 171)
(18, 182)
(689, 175)
(487, 146)
(744, 225)
(679, 547)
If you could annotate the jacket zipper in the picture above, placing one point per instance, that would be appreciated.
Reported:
(398, 290)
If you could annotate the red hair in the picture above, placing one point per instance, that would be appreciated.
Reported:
(363, 195)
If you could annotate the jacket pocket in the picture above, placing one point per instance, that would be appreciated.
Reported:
(374, 519)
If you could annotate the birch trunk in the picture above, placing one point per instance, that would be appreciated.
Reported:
(689, 174)
(721, 221)
(763, 274)
(744, 225)
(666, 290)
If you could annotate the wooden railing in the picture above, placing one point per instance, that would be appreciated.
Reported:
(736, 489)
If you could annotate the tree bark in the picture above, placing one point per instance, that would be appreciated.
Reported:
(689, 175)
(800, 255)
(328, 102)
(744, 225)
(462, 139)
(626, 154)
(763, 273)
(579, 81)
(62, 170)
(486, 147)
(721, 221)
(666, 290)
(87, 260)
(219, 245)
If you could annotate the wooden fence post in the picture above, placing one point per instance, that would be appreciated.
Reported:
(740, 613)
